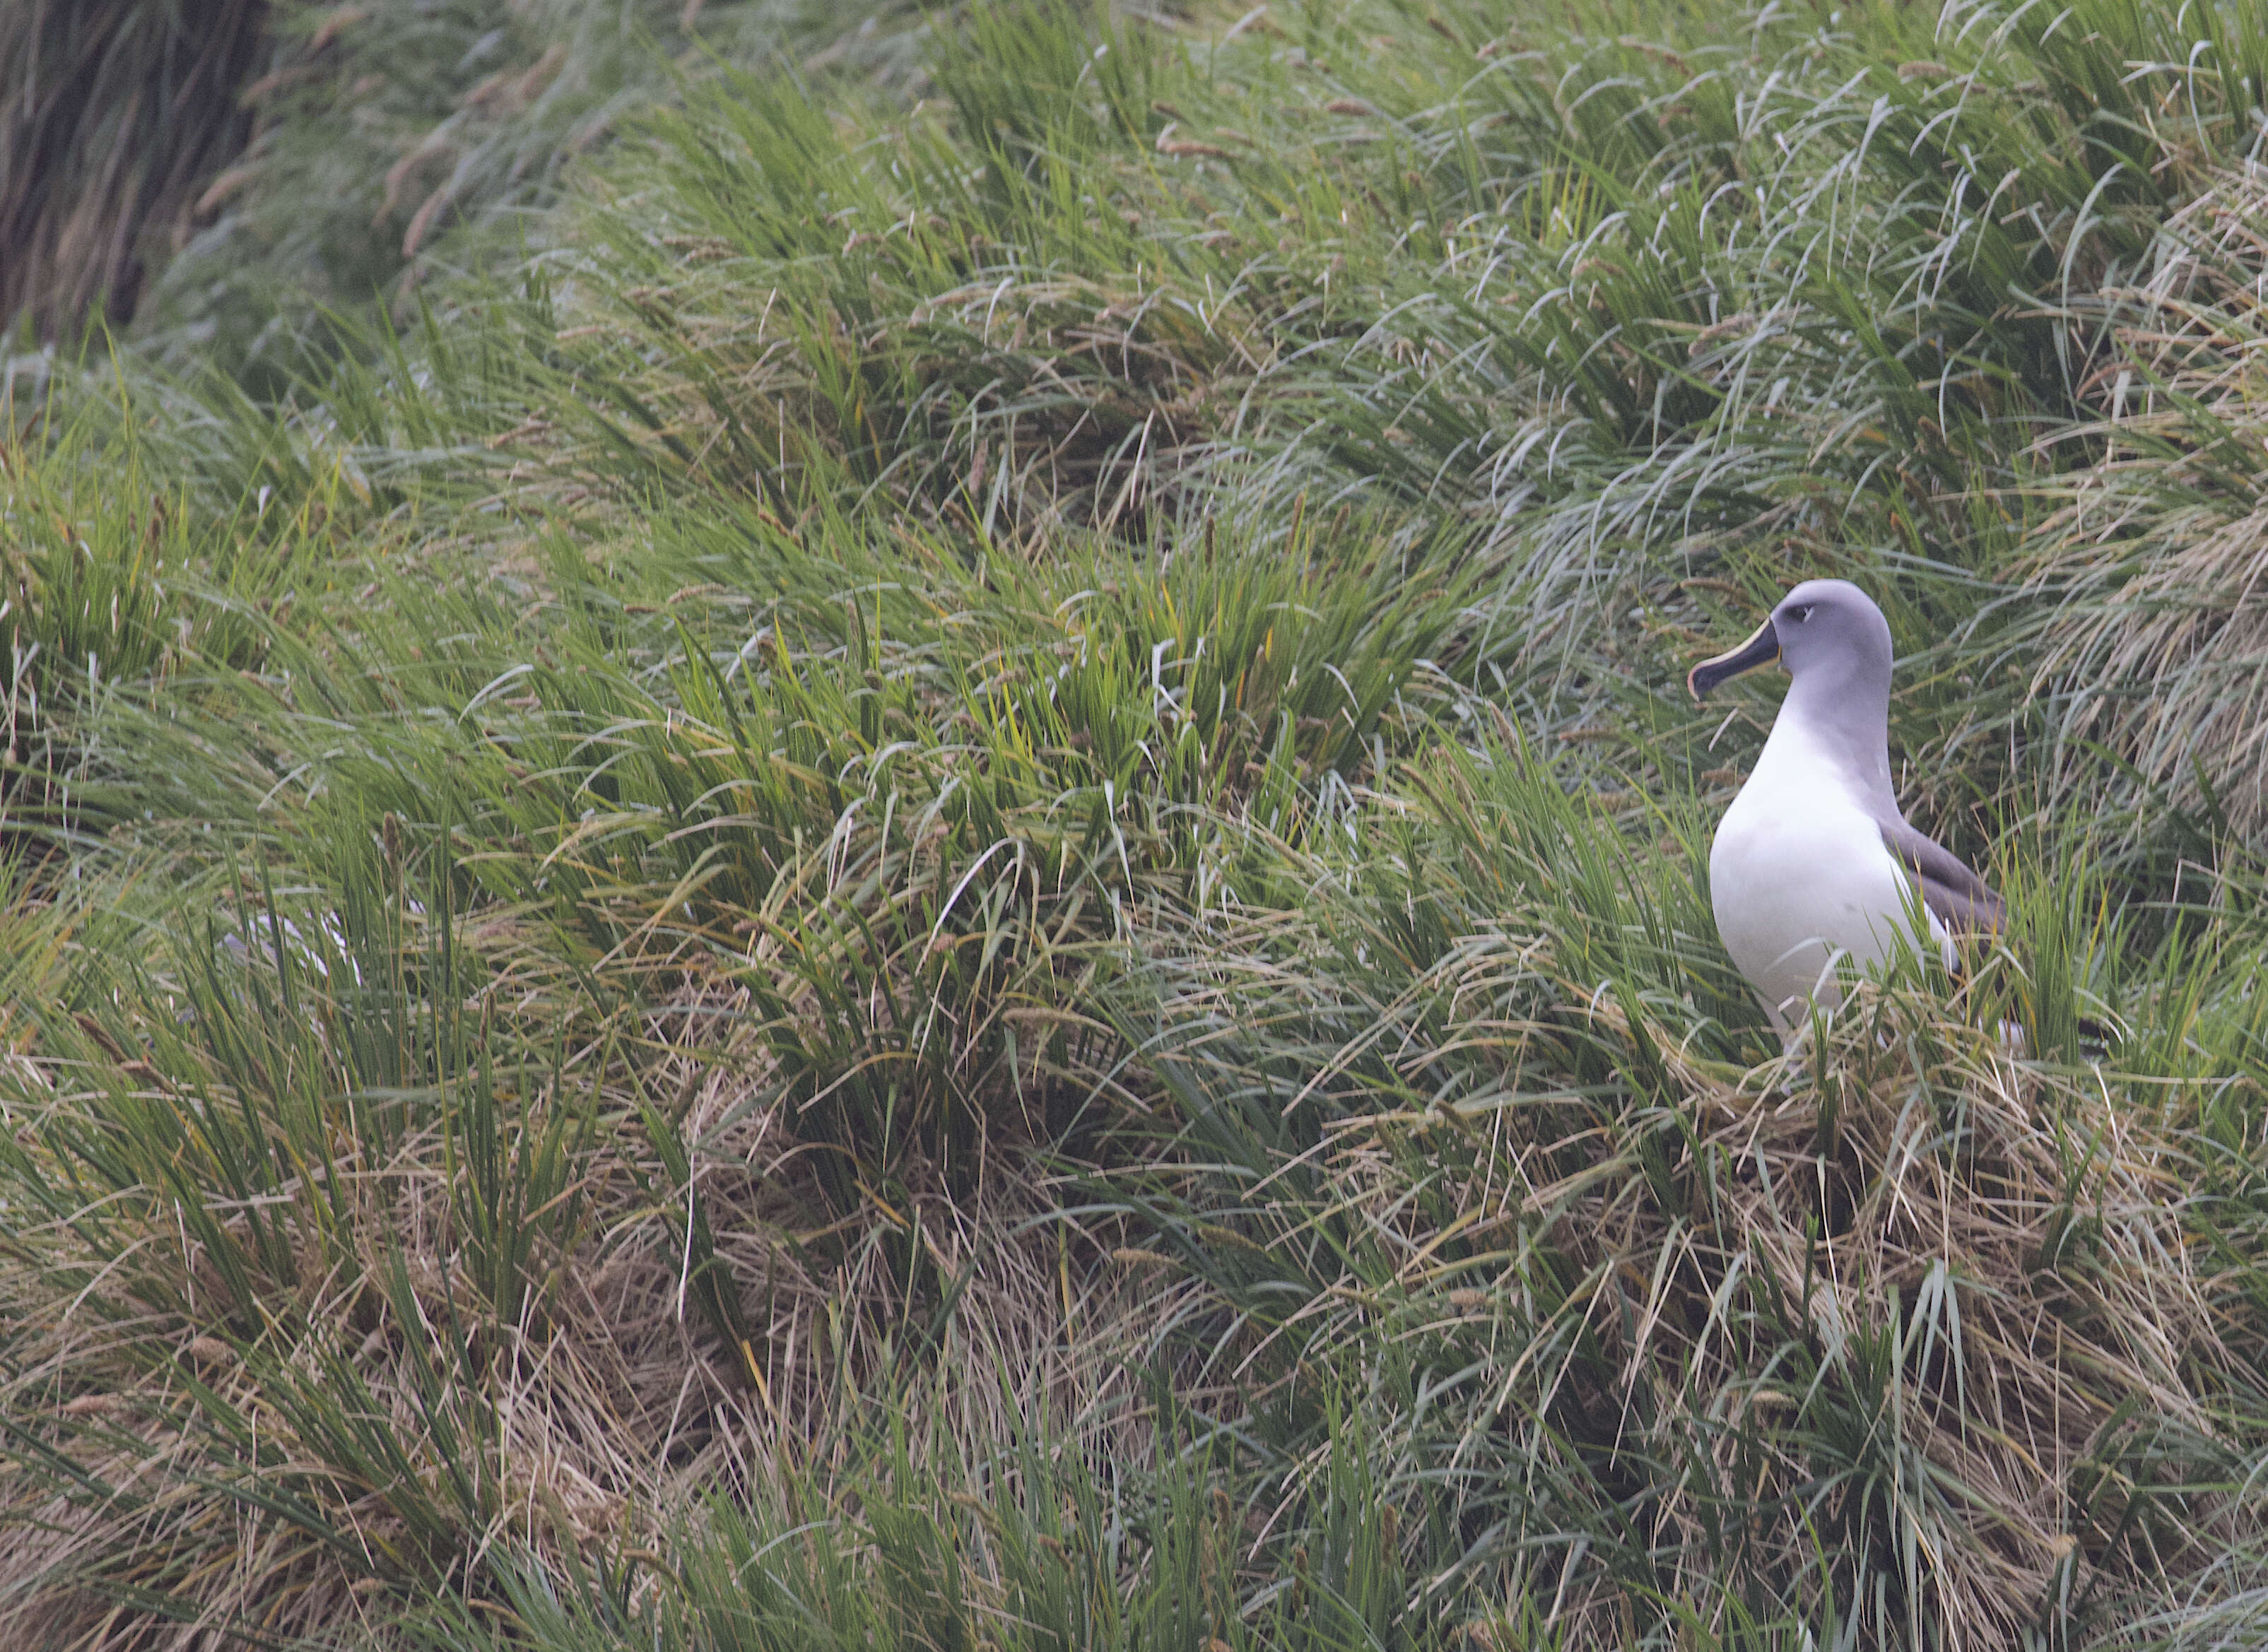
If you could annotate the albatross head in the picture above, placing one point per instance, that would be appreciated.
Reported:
(1825, 630)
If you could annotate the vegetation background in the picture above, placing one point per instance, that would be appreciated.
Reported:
(828, 830)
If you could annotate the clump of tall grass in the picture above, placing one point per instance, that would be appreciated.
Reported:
(2143, 583)
(1898, 1337)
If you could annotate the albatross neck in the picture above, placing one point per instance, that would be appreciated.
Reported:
(1840, 714)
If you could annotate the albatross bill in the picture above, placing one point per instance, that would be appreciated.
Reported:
(1813, 861)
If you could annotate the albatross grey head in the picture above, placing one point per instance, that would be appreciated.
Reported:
(1830, 637)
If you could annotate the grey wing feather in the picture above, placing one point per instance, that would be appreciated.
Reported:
(1964, 902)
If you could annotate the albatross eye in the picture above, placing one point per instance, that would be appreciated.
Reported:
(1800, 614)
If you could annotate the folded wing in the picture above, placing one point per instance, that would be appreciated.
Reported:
(1964, 903)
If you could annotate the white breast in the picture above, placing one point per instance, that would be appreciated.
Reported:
(1799, 879)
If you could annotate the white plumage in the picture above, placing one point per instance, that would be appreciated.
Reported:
(1800, 878)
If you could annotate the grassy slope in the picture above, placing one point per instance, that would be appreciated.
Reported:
(951, 889)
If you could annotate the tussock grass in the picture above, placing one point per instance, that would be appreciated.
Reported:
(1794, 1331)
(2149, 565)
(943, 884)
